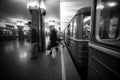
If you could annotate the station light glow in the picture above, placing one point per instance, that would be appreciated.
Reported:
(23, 55)
(100, 6)
(51, 22)
(112, 4)
(26, 28)
(32, 4)
(42, 5)
(20, 23)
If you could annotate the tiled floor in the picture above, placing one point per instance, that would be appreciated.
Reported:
(17, 63)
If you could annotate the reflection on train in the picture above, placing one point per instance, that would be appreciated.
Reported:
(76, 38)
(104, 46)
(8, 31)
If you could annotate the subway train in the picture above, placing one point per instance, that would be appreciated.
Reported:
(8, 31)
(76, 37)
(104, 45)
(96, 50)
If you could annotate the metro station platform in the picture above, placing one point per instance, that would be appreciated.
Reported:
(19, 61)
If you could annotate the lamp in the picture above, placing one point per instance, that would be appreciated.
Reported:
(43, 7)
(20, 23)
(33, 4)
(37, 4)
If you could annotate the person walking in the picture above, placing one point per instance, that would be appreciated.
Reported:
(53, 39)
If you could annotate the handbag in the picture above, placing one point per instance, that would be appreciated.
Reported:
(49, 46)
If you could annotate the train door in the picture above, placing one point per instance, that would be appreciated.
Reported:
(104, 46)
(83, 45)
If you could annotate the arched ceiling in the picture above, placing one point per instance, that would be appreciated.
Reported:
(14, 9)
(17, 9)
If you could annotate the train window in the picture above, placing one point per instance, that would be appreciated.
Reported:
(74, 27)
(109, 21)
(86, 26)
(71, 29)
(66, 32)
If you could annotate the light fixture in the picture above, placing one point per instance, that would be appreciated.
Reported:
(33, 4)
(27, 28)
(100, 6)
(20, 23)
(51, 22)
(37, 4)
(112, 4)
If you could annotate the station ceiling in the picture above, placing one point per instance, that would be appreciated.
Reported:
(14, 9)
(17, 9)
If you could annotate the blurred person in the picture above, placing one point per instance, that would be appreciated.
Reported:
(53, 40)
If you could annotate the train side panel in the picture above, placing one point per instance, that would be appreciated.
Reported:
(79, 52)
(104, 63)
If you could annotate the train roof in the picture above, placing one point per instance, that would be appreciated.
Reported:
(81, 11)
(84, 10)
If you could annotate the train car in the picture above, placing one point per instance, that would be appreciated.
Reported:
(104, 45)
(77, 37)
(8, 31)
(65, 34)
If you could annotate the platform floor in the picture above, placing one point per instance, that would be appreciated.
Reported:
(21, 61)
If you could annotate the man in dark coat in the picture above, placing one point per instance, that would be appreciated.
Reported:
(53, 39)
(53, 36)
